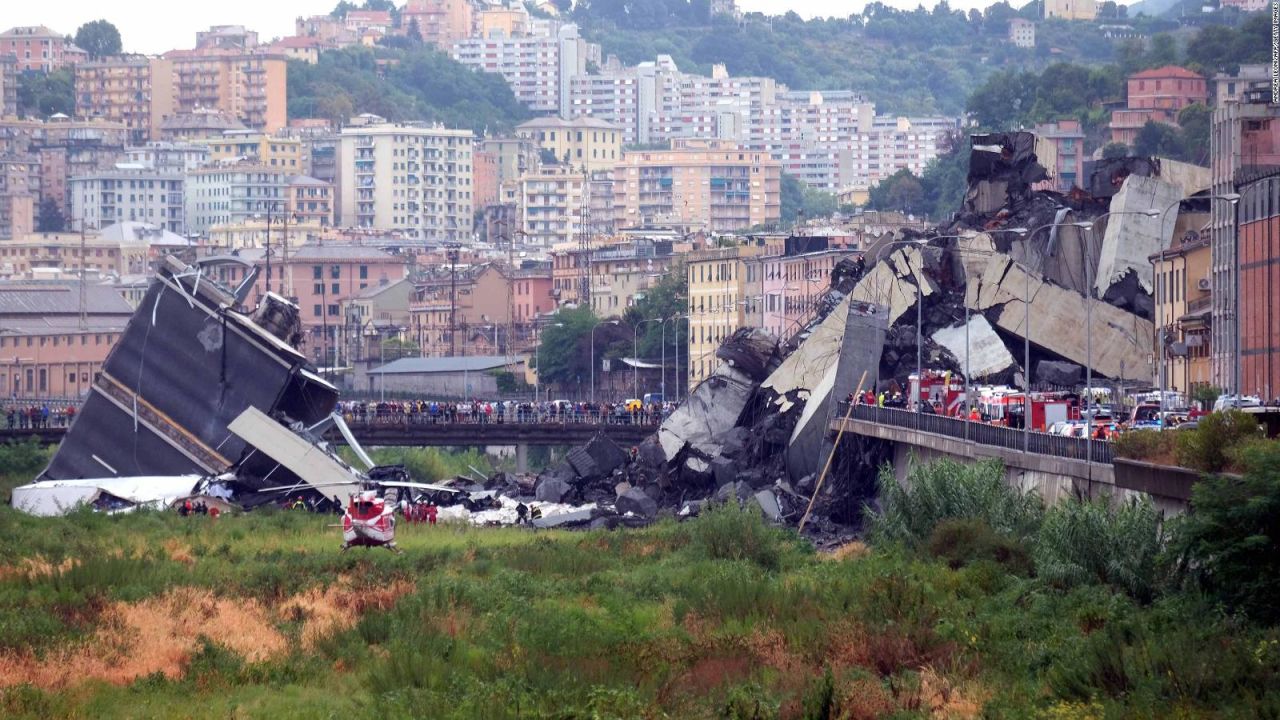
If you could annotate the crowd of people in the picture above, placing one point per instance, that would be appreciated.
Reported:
(401, 412)
(44, 415)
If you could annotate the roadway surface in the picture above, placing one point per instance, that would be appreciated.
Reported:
(403, 432)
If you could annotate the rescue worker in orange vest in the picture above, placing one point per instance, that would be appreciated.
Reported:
(973, 414)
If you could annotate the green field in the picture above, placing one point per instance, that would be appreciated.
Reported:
(259, 615)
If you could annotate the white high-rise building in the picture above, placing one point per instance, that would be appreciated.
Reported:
(539, 68)
(415, 179)
(129, 193)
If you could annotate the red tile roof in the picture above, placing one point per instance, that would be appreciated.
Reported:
(1168, 71)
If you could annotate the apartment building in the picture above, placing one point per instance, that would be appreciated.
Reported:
(128, 193)
(1156, 95)
(1260, 283)
(168, 157)
(256, 147)
(415, 179)
(39, 49)
(623, 272)
(217, 195)
(1183, 298)
(133, 90)
(18, 196)
(717, 302)
(708, 184)
(310, 201)
(121, 249)
(582, 142)
(439, 22)
(553, 205)
(1060, 148)
(199, 124)
(1071, 9)
(8, 86)
(1244, 139)
(1231, 87)
(248, 85)
(1022, 33)
(449, 306)
(784, 288)
(539, 68)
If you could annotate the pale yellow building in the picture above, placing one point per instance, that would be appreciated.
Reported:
(508, 22)
(133, 90)
(719, 301)
(1182, 297)
(582, 142)
(257, 147)
(553, 205)
(1071, 9)
(702, 184)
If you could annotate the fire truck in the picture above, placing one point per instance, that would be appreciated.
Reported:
(942, 391)
(1001, 404)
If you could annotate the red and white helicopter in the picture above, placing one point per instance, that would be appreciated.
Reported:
(369, 520)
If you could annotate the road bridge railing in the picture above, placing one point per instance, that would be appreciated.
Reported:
(1071, 448)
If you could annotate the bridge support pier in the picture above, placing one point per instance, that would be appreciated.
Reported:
(522, 458)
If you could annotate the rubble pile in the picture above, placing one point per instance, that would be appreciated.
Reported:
(757, 430)
(200, 387)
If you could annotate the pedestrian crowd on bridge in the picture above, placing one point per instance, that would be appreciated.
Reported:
(401, 412)
(39, 417)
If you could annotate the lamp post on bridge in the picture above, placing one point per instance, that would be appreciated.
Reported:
(593, 356)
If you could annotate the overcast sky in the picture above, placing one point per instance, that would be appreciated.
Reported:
(149, 26)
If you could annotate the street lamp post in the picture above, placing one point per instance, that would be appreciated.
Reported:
(635, 355)
(593, 356)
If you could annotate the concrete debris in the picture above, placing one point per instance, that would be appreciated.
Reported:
(636, 502)
(552, 489)
(768, 504)
(750, 351)
(986, 353)
(1131, 236)
(710, 411)
(1105, 177)
(1059, 373)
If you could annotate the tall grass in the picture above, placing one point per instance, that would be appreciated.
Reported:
(1098, 541)
(950, 490)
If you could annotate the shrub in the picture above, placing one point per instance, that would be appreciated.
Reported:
(1147, 445)
(731, 532)
(949, 490)
(963, 542)
(1230, 540)
(1095, 541)
(1208, 447)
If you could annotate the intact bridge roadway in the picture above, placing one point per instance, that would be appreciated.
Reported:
(395, 432)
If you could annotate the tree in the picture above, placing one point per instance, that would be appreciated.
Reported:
(50, 218)
(666, 299)
(800, 199)
(44, 94)
(414, 33)
(1114, 150)
(1230, 541)
(1195, 120)
(1158, 139)
(564, 347)
(98, 38)
(1164, 51)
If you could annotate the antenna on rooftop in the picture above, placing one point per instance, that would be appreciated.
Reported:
(84, 258)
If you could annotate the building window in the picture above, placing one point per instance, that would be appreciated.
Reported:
(315, 311)
(364, 272)
(333, 310)
(317, 272)
(335, 272)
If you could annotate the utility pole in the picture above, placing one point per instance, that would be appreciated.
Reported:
(268, 247)
(584, 245)
(451, 252)
(84, 298)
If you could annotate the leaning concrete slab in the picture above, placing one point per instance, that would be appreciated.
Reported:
(1131, 238)
(881, 285)
(986, 351)
(804, 368)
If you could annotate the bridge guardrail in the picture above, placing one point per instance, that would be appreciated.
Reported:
(1070, 448)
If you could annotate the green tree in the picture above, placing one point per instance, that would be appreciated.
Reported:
(799, 199)
(666, 299)
(1163, 51)
(44, 94)
(564, 348)
(1111, 151)
(98, 38)
(414, 33)
(50, 218)
(1230, 541)
(1212, 48)
(1158, 139)
(1195, 120)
